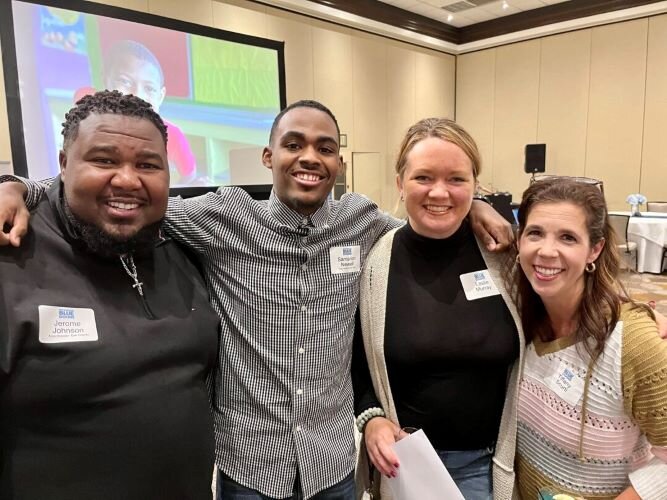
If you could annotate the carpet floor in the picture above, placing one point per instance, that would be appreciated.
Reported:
(645, 287)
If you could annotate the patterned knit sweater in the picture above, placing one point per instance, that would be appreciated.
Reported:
(625, 415)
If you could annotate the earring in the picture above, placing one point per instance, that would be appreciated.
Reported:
(590, 267)
(402, 198)
(517, 261)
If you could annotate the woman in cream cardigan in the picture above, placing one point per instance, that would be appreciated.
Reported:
(440, 334)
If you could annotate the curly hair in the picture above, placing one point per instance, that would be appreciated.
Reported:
(305, 103)
(109, 102)
(600, 305)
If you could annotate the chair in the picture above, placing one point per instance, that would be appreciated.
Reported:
(656, 206)
(619, 223)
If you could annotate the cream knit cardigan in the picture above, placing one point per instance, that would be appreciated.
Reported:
(374, 279)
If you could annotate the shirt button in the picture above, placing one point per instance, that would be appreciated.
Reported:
(301, 350)
(304, 220)
(303, 308)
(299, 392)
(304, 267)
(298, 428)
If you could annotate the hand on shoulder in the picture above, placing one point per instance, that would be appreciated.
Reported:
(14, 215)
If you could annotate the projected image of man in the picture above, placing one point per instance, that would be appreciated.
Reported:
(132, 68)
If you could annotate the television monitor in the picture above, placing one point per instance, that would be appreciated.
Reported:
(218, 91)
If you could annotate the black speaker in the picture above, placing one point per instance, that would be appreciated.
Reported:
(535, 156)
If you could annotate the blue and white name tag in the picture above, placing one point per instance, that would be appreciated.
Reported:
(66, 324)
(478, 285)
(345, 259)
(566, 384)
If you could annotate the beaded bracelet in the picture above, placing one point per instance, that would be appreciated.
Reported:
(366, 415)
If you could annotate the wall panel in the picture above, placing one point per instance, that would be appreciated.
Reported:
(435, 85)
(5, 146)
(332, 50)
(515, 113)
(192, 11)
(475, 91)
(654, 156)
(563, 101)
(369, 63)
(240, 20)
(616, 108)
(140, 5)
(401, 111)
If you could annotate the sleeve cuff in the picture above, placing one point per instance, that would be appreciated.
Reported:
(650, 481)
(35, 189)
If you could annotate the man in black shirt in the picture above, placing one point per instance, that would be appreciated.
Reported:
(106, 333)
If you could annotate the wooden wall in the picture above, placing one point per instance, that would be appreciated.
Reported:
(596, 97)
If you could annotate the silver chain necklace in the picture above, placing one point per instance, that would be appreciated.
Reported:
(133, 273)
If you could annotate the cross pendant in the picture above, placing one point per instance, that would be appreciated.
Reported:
(137, 285)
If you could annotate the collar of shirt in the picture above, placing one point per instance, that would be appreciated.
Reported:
(293, 219)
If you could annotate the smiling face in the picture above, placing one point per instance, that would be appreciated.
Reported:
(438, 186)
(554, 249)
(135, 76)
(115, 174)
(304, 159)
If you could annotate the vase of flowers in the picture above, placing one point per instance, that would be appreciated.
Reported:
(635, 200)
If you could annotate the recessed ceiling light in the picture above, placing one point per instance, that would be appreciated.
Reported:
(450, 18)
(505, 5)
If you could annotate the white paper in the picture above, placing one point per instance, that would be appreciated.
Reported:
(421, 474)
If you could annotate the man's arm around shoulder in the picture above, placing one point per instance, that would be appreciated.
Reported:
(14, 214)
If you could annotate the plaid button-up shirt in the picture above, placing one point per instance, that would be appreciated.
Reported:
(283, 393)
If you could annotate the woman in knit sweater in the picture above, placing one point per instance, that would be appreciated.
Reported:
(593, 392)
(439, 331)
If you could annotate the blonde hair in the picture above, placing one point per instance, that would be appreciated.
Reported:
(442, 128)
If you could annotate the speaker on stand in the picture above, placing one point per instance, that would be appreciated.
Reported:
(535, 158)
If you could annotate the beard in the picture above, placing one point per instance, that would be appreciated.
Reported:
(107, 245)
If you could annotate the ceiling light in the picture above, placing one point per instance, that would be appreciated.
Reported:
(505, 5)
(450, 18)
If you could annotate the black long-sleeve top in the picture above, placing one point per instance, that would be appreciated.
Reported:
(123, 414)
(447, 356)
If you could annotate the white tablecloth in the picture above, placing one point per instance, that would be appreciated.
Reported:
(650, 233)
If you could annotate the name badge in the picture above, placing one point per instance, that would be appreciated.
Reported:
(345, 259)
(566, 384)
(478, 285)
(66, 324)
